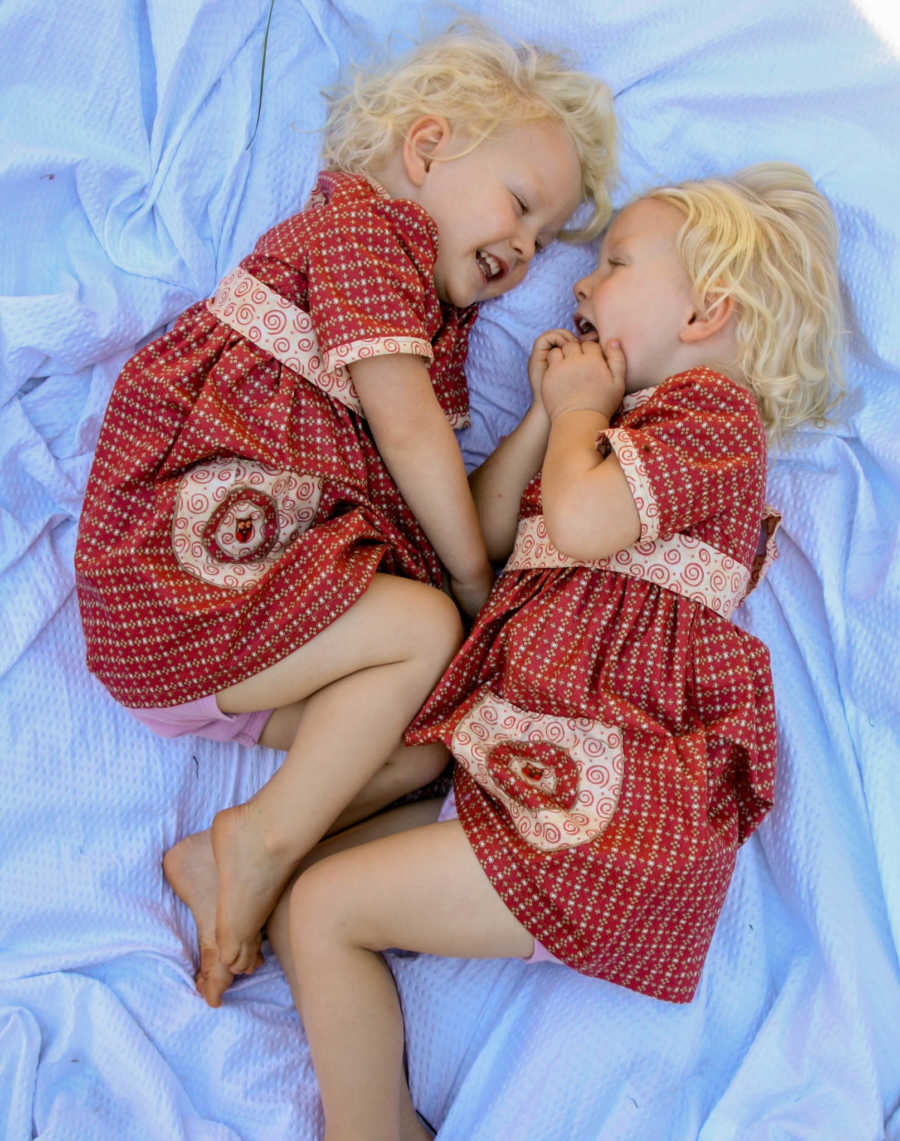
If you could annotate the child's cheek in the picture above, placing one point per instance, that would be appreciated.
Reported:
(513, 278)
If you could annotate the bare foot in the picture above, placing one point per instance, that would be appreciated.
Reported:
(190, 868)
(250, 881)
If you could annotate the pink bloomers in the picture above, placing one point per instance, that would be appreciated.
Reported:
(203, 718)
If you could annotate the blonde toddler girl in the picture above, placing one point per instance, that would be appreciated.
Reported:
(613, 730)
(277, 493)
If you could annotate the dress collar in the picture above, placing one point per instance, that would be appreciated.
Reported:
(632, 400)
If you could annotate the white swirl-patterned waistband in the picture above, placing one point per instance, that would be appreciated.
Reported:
(680, 563)
(268, 320)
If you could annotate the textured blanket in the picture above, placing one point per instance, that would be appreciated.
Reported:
(133, 175)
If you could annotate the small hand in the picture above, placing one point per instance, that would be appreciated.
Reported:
(537, 362)
(582, 376)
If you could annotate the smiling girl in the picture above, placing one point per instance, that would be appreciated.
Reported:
(613, 731)
(277, 495)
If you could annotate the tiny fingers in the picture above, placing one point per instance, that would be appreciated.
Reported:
(552, 339)
(615, 359)
(575, 350)
(587, 348)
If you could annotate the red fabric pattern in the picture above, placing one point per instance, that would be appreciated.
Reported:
(690, 694)
(160, 630)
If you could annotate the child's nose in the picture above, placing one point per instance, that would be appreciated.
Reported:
(581, 288)
(524, 244)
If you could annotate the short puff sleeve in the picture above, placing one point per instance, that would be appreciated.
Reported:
(696, 446)
(369, 280)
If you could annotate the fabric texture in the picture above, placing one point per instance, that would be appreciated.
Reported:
(234, 510)
(578, 676)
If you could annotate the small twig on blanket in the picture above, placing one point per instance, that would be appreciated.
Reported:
(262, 72)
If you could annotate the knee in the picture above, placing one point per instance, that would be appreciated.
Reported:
(442, 630)
(326, 910)
(313, 912)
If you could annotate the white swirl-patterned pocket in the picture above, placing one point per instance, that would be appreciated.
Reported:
(559, 778)
(233, 519)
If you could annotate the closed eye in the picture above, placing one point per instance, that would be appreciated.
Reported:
(521, 203)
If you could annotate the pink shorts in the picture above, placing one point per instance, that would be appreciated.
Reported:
(203, 718)
(540, 954)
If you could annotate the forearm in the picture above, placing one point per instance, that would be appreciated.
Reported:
(418, 447)
(427, 466)
(570, 458)
(587, 504)
(497, 485)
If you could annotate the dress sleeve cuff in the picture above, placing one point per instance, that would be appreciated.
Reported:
(629, 457)
(375, 347)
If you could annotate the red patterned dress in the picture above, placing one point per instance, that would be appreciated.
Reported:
(237, 504)
(614, 733)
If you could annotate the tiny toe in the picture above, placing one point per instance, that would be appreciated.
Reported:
(247, 959)
(241, 957)
(209, 957)
(212, 992)
(213, 978)
(214, 984)
(229, 953)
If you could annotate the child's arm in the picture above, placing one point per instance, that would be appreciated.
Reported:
(497, 485)
(418, 446)
(588, 506)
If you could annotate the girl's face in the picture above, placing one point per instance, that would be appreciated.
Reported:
(496, 205)
(640, 293)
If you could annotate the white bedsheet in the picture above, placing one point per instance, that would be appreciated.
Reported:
(126, 188)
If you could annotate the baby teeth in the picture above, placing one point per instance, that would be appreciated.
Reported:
(493, 266)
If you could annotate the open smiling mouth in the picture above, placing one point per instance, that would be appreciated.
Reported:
(585, 330)
(492, 269)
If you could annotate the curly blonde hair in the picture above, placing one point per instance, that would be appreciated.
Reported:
(480, 83)
(768, 238)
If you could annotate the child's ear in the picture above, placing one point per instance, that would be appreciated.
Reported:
(425, 140)
(703, 323)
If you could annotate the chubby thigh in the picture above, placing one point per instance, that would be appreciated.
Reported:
(395, 620)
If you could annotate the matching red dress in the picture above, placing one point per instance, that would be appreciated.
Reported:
(613, 731)
(237, 504)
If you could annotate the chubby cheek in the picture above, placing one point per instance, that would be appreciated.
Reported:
(617, 321)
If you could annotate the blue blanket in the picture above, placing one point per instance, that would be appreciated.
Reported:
(133, 174)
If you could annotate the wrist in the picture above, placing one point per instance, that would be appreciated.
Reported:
(591, 415)
(536, 417)
(475, 574)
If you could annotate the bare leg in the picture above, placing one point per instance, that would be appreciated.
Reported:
(387, 824)
(405, 770)
(190, 865)
(421, 889)
(363, 678)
